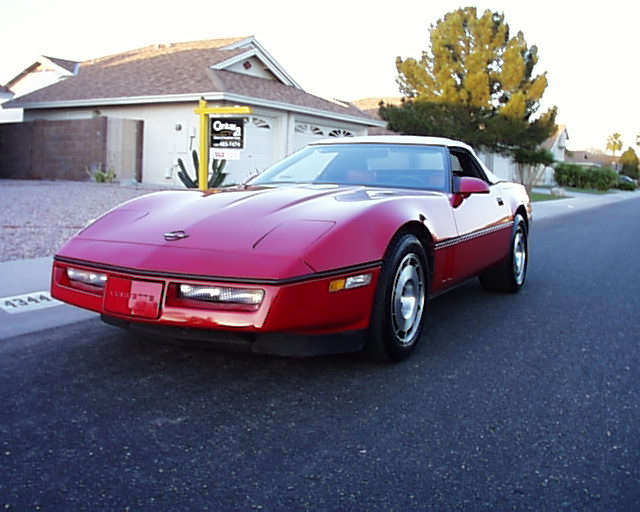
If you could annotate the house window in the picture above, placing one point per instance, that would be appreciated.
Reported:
(256, 122)
(309, 129)
(340, 133)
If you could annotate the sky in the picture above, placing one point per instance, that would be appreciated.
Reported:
(347, 49)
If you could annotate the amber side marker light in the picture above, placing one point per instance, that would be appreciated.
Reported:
(349, 283)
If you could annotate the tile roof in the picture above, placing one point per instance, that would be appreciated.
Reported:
(175, 69)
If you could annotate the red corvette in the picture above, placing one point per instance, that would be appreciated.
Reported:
(336, 248)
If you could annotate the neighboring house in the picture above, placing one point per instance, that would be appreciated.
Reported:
(591, 159)
(43, 72)
(162, 84)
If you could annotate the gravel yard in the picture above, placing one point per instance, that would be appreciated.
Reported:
(38, 217)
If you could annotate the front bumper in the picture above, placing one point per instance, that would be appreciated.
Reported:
(295, 317)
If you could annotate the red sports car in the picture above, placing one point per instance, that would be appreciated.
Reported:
(336, 248)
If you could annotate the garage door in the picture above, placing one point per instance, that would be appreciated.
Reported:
(257, 154)
(308, 132)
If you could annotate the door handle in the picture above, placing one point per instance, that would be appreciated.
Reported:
(500, 201)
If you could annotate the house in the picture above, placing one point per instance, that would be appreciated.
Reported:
(42, 72)
(161, 85)
(591, 159)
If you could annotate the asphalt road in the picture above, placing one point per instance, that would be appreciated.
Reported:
(526, 402)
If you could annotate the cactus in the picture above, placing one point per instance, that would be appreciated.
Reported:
(216, 176)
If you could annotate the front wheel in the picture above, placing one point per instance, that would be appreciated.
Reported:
(510, 275)
(398, 311)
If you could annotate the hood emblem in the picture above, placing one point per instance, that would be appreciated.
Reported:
(172, 236)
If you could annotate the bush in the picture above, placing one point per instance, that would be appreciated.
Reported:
(625, 185)
(576, 176)
(602, 179)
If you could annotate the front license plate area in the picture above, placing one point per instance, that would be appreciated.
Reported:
(133, 298)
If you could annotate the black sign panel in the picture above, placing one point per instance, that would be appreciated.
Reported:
(226, 132)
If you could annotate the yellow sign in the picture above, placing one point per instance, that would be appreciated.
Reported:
(204, 111)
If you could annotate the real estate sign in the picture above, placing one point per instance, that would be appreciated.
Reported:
(226, 132)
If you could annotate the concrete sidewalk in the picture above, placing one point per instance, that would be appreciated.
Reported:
(26, 306)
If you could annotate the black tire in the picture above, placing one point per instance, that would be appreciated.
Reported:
(510, 275)
(399, 307)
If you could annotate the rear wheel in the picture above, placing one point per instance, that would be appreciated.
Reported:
(398, 312)
(511, 274)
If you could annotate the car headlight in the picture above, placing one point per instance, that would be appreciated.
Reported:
(222, 294)
(87, 277)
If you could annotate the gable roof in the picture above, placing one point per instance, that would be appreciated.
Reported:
(184, 72)
(69, 65)
(551, 141)
(62, 66)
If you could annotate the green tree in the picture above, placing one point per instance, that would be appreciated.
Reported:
(531, 164)
(473, 61)
(630, 163)
(614, 143)
(476, 84)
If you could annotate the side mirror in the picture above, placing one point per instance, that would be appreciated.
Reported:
(464, 186)
(467, 186)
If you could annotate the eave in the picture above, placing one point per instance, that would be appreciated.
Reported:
(194, 97)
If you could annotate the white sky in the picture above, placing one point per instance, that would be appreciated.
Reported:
(347, 49)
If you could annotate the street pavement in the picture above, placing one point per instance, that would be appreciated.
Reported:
(527, 402)
(26, 306)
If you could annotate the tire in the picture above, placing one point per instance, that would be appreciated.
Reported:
(510, 275)
(399, 307)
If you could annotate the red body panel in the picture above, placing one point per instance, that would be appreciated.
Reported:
(290, 241)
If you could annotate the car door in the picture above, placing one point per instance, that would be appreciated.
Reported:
(483, 220)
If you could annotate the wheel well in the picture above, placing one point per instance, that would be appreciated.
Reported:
(420, 230)
(523, 213)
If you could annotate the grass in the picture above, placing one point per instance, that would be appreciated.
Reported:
(589, 191)
(536, 196)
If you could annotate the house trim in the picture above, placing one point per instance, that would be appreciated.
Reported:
(194, 97)
(261, 53)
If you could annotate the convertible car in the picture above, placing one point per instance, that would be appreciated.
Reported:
(336, 248)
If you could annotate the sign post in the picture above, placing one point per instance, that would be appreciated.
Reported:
(227, 132)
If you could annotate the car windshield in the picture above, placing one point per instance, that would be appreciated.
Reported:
(378, 165)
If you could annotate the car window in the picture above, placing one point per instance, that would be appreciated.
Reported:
(383, 165)
(464, 164)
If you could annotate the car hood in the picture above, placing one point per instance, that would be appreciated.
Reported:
(256, 232)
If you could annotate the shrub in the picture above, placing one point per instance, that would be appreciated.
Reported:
(625, 185)
(572, 175)
(569, 175)
(602, 179)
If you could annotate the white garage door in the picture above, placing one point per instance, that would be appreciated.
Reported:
(257, 154)
(308, 132)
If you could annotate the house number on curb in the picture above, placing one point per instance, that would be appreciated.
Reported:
(28, 302)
